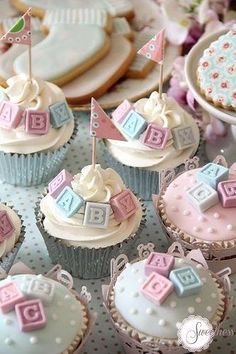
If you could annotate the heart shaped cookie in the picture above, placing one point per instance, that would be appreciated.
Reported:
(217, 71)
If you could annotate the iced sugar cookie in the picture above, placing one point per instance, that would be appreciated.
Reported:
(7, 58)
(116, 8)
(76, 41)
(217, 71)
(120, 26)
(96, 81)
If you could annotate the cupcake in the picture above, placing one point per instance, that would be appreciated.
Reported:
(87, 219)
(161, 291)
(36, 129)
(35, 318)
(198, 208)
(12, 233)
(159, 133)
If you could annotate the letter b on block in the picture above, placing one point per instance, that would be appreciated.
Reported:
(123, 205)
(36, 122)
(227, 193)
(186, 281)
(155, 136)
(97, 215)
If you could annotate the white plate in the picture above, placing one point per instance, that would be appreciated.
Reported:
(191, 78)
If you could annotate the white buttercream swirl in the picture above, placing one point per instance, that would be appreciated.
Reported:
(8, 244)
(166, 113)
(95, 185)
(37, 95)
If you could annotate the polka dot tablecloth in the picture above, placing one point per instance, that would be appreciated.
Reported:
(34, 254)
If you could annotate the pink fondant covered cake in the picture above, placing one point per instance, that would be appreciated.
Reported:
(199, 206)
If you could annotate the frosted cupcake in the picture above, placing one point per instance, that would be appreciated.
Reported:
(88, 219)
(11, 235)
(198, 208)
(160, 291)
(36, 129)
(34, 320)
(159, 134)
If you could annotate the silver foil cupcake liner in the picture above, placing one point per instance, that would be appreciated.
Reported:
(83, 262)
(7, 261)
(33, 169)
(143, 182)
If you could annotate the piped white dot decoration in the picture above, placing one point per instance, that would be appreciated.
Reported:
(162, 322)
(191, 310)
(9, 341)
(173, 304)
(33, 340)
(58, 340)
(198, 300)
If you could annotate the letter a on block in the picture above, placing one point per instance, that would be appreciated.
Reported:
(101, 126)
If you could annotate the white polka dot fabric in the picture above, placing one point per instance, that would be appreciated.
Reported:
(34, 254)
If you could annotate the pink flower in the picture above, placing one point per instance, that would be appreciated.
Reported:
(215, 130)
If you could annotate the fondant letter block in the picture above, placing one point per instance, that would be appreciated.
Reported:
(10, 295)
(69, 202)
(10, 115)
(36, 122)
(97, 215)
(183, 137)
(121, 111)
(30, 315)
(133, 125)
(157, 288)
(160, 263)
(41, 288)
(123, 205)
(202, 196)
(227, 193)
(186, 281)
(155, 136)
(60, 114)
(212, 174)
(6, 226)
(57, 185)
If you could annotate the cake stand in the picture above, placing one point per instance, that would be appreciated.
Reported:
(225, 146)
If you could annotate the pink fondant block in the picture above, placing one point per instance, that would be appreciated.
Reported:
(155, 137)
(157, 288)
(37, 122)
(227, 193)
(121, 111)
(30, 315)
(6, 226)
(10, 295)
(160, 263)
(123, 205)
(10, 115)
(57, 185)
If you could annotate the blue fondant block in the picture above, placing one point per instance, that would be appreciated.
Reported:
(133, 125)
(69, 202)
(186, 281)
(60, 114)
(212, 174)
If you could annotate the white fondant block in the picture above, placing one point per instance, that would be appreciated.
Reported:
(202, 196)
(97, 215)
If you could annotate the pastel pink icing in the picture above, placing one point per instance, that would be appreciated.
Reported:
(215, 224)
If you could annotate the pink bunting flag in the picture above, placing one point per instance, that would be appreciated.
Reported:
(20, 33)
(154, 49)
(101, 126)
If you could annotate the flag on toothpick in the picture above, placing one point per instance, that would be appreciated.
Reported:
(20, 33)
(101, 126)
(154, 49)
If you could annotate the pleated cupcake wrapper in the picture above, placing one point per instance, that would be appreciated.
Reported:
(218, 254)
(7, 261)
(83, 262)
(143, 182)
(135, 342)
(84, 297)
(33, 169)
